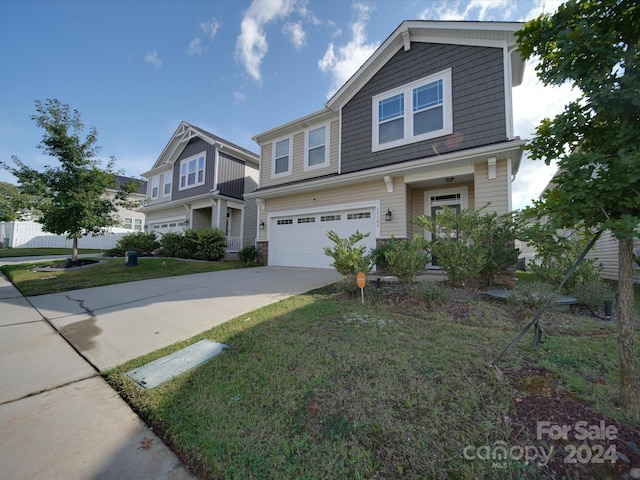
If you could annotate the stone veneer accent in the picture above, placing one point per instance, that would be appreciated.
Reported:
(262, 253)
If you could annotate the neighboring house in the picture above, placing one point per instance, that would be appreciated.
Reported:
(426, 122)
(605, 251)
(131, 218)
(200, 180)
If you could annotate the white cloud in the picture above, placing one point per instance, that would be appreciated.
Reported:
(482, 10)
(153, 59)
(203, 38)
(239, 97)
(252, 45)
(296, 34)
(341, 62)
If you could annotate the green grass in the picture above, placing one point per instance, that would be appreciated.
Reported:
(37, 252)
(318, 386)
(113, 271)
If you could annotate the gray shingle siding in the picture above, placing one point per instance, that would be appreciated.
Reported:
(478, 103)
(194, 147)
(231, 176)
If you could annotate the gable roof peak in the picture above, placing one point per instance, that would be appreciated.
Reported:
(457, 32)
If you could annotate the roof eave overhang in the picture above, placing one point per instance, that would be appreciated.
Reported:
(512, 149)
(214, 195)
(314, 118)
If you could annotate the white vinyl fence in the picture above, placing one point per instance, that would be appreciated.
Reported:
(31, 235)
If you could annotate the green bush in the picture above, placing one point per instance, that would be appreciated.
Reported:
(593, 293)
(140, 242)
(247, 255)
(171, 244)
(406, 259)
(471, 244)
(349, 259)
(211, 243)
(378, 258)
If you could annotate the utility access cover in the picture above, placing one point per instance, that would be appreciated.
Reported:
(164, 369)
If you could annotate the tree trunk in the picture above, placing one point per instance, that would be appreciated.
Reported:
(74, 250)
(627, 351)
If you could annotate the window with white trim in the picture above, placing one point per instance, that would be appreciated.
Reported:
(281, 158)
(192, 171)
(155, 182)
(132, 223)
(316, 153)
(166, 191)
(412, 113)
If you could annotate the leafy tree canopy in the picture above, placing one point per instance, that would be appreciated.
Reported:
(596, 140)
(72, 196)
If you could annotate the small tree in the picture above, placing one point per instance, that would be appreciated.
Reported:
(349, 259)
(72, 197)
(596, 140)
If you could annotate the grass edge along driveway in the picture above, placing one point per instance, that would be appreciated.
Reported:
(112, 271)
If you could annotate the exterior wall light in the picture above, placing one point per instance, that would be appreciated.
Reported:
(449, 179)
(388, 215)
(262, 225)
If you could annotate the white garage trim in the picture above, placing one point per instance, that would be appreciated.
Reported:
(297, 237)
(328, 208)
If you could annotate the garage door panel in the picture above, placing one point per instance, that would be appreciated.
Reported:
(300, 240)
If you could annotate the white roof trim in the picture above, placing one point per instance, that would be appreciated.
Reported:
(454, 160)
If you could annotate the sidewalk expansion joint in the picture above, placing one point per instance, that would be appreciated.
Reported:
(62, 385)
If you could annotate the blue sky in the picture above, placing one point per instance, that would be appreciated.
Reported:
(136, 69)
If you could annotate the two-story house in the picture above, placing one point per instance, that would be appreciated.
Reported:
(199, 180)
(425, 122)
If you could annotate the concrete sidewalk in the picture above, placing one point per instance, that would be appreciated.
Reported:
(58, 418)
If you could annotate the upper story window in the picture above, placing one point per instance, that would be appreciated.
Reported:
(414, 112)
(155, 182)
(167, 184)
(192, 171)
(281, 158)
(316, 154)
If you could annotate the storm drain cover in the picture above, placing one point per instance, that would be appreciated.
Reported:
(164, 369)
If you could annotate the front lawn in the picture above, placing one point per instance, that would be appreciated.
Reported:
(320, 386)
(111, 272)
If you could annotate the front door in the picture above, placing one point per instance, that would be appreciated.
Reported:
(439, 232)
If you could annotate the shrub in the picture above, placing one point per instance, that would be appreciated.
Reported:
(211, 243)
(593, 293)
(471, 244)
(140, 242)
(405, 259)
(247, 255)
(378, 257)
(349, 259)
(171, 243)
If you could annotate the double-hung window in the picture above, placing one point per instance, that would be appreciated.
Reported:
(316, 148)
(192, 171)
(412, 113)
(281, 158)
(167, 184)
(155, 182)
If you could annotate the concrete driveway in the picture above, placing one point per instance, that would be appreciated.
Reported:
(58, 418)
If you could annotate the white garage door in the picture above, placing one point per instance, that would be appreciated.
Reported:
(299, 240)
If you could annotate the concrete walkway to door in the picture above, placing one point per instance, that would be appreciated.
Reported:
(58, 418)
